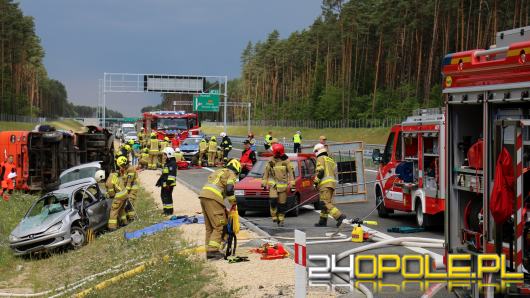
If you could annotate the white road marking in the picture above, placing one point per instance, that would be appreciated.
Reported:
(208, 169)
(368, 170)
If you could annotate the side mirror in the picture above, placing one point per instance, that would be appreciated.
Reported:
(376, 156)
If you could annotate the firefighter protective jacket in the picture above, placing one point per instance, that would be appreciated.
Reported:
(279, 173)
(169, 173)
(326, 168)
(220, 185)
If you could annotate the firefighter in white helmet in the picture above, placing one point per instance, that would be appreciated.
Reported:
(325, 182)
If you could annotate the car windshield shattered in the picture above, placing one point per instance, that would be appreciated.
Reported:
(259, 168)
(48, 205)
(78, 174)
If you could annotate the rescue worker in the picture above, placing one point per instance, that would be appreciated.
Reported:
(220, 186)
(268, 140)
(141, 136)
(248, 158)
(219, 156)
(323, 141)
(99, 176)
(252, 141)
(178, 155)
(132, 186)
(226, 145)
(8, 176)
(297, 142)
(203, 151)
(144, 158)
(212, 151)
(153, 152)
(163, 144)
(279, 175)
(167, 181)
(325, 182)
(117, 191)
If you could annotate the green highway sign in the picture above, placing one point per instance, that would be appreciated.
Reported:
(207, 102)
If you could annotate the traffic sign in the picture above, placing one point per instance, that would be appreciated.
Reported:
(206, 102)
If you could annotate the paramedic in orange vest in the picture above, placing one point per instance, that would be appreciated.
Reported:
(248, 158)
(8, 175)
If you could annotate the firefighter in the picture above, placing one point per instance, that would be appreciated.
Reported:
(117, 191)
(279, 175)
(163, 144)
(248, 158)
(220, 186)
(141, 136)
(144, 158)
(219, 156)
(226, 145)
(153, 152)
(132, 186)
(203, 150)
(268, 140)
(167, 181)
(297, 142)
(212, 151)
(252, 141)
(178, 155)
(325, 182)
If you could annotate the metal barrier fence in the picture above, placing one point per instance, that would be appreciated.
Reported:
(21, 118)
(318, 124)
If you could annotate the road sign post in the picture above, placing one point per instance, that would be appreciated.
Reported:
(300, 267)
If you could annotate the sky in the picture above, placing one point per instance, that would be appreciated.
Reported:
(84, 39)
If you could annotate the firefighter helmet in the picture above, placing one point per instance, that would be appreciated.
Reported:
(169, 152)
(99, 176)
(234, 165)
(319, 148)
(166, 139)
(278, 150)
(121, 161)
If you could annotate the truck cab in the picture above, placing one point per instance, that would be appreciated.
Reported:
(409, 172)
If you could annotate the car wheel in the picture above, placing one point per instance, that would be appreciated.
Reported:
(296, 211)
(78, 236)
(241, 211)
(422, 220)
(382, 211)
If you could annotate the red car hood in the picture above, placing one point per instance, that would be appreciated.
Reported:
(249, 183)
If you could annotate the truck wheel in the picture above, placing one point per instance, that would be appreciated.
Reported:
(52, 136)
(422, 220)
(78, 236)
(382, 211)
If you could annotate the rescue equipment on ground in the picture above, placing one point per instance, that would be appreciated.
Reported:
(405, 230)
(232, 229)
(270, 251)
(175, 221)
(357, 234)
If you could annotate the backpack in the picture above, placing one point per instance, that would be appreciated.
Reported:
(475, 156)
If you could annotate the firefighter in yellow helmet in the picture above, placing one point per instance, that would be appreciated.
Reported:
(212, 151)
(131, 184)
(279, 176)
(220, 186)
(154, 149)
(141, 136)
(163, 145)
(116, 190)
(144, 158)
(203, 151)
(325, 182)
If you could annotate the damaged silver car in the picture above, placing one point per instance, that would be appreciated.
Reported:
(62, 218)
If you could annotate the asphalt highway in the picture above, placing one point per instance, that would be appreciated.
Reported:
(196, 178)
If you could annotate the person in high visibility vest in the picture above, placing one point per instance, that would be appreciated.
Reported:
(8, 177)
(168, 180)
(141, 136)
(132, 186)
(268, 140)
(212, 151)
(279, 177)
(297, 142)
(163, 144)
(248, 158)
(226, 145)
(220, 186)
(203, 151)
(144, 158)
(117, 191)
(154, 149)
(325, 182)
(178, 155)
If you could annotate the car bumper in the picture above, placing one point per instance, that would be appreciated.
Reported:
(42, 243)
(258, 203)
(189, 155)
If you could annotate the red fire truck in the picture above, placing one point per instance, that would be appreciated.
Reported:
(172, 124)
(410, 177)
(487, 97)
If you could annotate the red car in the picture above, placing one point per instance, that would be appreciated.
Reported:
(251, 197)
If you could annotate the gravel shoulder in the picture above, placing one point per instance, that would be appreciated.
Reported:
(256, 278)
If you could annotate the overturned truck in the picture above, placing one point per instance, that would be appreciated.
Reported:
(41, 156)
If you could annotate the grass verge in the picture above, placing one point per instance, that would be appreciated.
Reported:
(5, 125)
(367, 135)
(178, 276)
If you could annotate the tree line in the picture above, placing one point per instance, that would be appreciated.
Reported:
(25, 88)
(367, 58)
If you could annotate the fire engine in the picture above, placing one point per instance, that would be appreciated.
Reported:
(409, 176)
(487, 103)
(172, 124)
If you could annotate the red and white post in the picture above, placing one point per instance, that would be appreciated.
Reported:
(300, 267)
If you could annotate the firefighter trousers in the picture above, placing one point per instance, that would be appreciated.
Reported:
(117, 211)
(202, 154)
(129, 210)
(166, 193)
(278, 204)
(327, 203)
(153, 160)
(215, 220)
(211, 158)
